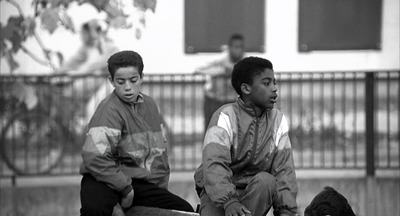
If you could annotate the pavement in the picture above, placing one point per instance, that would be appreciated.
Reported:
(59, 195)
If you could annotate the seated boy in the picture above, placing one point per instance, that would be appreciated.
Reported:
(329, 202)
(247, 164)
(125, 154)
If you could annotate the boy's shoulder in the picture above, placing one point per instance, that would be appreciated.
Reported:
(279, 115)
(111, 102)
(226, 113)
(150, 103)
(107, 113)
(228, 109)
(147, 99)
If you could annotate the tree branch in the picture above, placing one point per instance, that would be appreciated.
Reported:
(16, 5)
(39, 41)
(33, 56)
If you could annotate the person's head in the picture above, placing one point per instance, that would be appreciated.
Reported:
(254, 80)
(329, 202)
(126, 73)
(90, 32)
(236, 47)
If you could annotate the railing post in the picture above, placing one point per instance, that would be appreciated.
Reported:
(370, 124)
(370, 143)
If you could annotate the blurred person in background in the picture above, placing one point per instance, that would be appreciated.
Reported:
(218, 88)
(90, 58)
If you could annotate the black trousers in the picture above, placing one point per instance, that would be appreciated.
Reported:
(97, 199)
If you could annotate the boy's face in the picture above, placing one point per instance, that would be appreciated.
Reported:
(263, 91)
(127, 83)
(86, 37)
(236, 50)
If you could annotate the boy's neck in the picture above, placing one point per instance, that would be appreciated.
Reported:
(258, 110)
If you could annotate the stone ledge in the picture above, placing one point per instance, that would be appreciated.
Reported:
(149, 211)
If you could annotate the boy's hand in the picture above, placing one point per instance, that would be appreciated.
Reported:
(126, 202)
(237, 209)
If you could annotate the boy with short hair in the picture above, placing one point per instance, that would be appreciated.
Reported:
(329, 202)
(247, 164)
(125, 153)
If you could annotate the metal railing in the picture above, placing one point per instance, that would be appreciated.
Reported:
(331, 116)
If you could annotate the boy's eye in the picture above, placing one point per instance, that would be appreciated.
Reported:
(266, 83)
(134, 80)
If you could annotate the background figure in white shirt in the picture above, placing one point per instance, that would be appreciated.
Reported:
(90, 59)
(88, 70)
(218, 87)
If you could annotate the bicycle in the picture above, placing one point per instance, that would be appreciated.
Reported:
(33, 139)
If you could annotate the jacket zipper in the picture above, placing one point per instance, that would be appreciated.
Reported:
(255, 137)
(148, 154)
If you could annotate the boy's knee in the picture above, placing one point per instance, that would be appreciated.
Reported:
(97, 207)
(185, 206)
(264, 180)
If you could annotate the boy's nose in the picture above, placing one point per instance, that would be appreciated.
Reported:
(128, 87)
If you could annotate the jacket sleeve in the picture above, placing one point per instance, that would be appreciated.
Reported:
(101, 141)
(283, 170)
(216, 160)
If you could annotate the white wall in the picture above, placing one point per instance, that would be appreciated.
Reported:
(162, 42)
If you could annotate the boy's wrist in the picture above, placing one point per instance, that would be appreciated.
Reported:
(231, 201)
(126, 190)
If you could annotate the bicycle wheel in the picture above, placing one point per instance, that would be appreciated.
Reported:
(32, 143)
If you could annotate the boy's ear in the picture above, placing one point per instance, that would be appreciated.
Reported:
(111, 80)
(246, 88)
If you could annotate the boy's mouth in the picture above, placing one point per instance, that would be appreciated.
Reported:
(273, 99)
(129, 95)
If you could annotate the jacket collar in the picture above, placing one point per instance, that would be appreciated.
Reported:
(249, 108)
(140, 99)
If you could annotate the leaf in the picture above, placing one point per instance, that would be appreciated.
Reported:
(145, 4)
(49, 19)
(29, 25)
(3, 45)
(99, 4)
(10, 60)
(58, 3)
(3, 48)
(118, 22)
(138, 33)
(142, 20)
(66, 21)
(39, 6)
(60, 57)
(114, 12)
(14, 32)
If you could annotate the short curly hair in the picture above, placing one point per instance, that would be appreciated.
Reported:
(246, 69)
(329, 202)
(123, 59)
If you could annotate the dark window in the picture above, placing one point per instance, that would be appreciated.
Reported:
(339, 24)
(210, 23)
